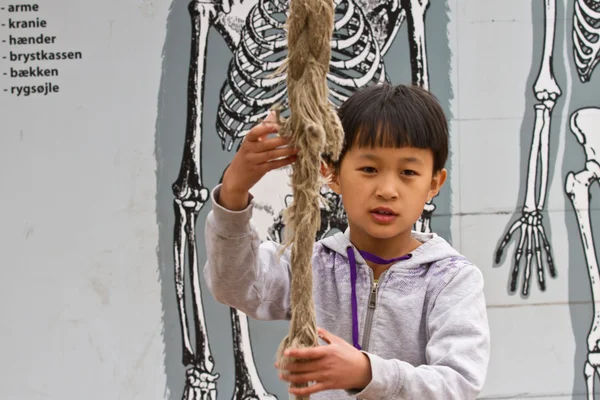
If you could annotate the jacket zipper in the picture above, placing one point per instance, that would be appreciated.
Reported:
(370, 312)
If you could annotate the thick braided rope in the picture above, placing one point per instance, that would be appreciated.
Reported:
(315, 128)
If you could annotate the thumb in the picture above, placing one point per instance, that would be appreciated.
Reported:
(271, 117)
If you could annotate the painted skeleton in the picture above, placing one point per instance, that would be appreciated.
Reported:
(586, 55)
(254, 32)
(585, 125)
(532, 233)
(586, 37)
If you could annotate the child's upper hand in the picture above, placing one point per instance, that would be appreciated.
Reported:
(253, 160)
(338, 365)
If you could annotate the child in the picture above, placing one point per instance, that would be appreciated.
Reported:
(401, 313)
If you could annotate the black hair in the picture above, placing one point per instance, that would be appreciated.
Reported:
(388, 115)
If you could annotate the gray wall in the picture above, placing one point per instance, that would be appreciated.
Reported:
(87, 292)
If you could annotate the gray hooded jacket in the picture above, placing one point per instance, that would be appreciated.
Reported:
(424, 326)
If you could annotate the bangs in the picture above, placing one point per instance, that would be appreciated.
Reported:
(395, 117)
(379, 134)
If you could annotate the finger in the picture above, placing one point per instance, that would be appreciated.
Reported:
(506, 239)
(540, 266)
(304, 378)
(267, 144)
(261, 130)
(527, 269)
(272, 155)
(307, 391)
(271, 165)
(515, 270)
(548, 252)
(297, 367)
(271, 117)
(308, 353)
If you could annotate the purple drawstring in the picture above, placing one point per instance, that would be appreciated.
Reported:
(354, 305)
(369, 257)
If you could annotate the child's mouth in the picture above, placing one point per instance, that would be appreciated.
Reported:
(383, 211)
(383, 215)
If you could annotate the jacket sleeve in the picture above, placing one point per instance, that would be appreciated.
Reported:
(457, 351)
(242, 272)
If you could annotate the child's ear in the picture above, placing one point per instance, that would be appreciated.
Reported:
(437, 182)
(328, 172)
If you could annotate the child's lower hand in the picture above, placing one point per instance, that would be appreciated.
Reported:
(338, 365)
(257, 155)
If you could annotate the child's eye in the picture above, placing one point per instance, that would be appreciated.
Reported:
(409, 172)
(368, 170)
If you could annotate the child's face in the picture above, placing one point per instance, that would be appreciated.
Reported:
(384, 190)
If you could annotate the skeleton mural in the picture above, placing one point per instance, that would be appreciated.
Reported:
(254, 32)
(530, 226)
(586, 55)
(585, 126)
(586, 37)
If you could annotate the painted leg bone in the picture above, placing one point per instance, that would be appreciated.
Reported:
(248, 385)
(190, 197)
(533, 234)
(415, 18)
(585, 125)
(586, 37)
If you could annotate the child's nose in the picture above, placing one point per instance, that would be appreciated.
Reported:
(387, 190)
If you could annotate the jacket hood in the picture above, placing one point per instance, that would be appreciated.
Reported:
(434, 248)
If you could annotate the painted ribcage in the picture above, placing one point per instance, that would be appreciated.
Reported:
(586, 37)
(252, 87)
